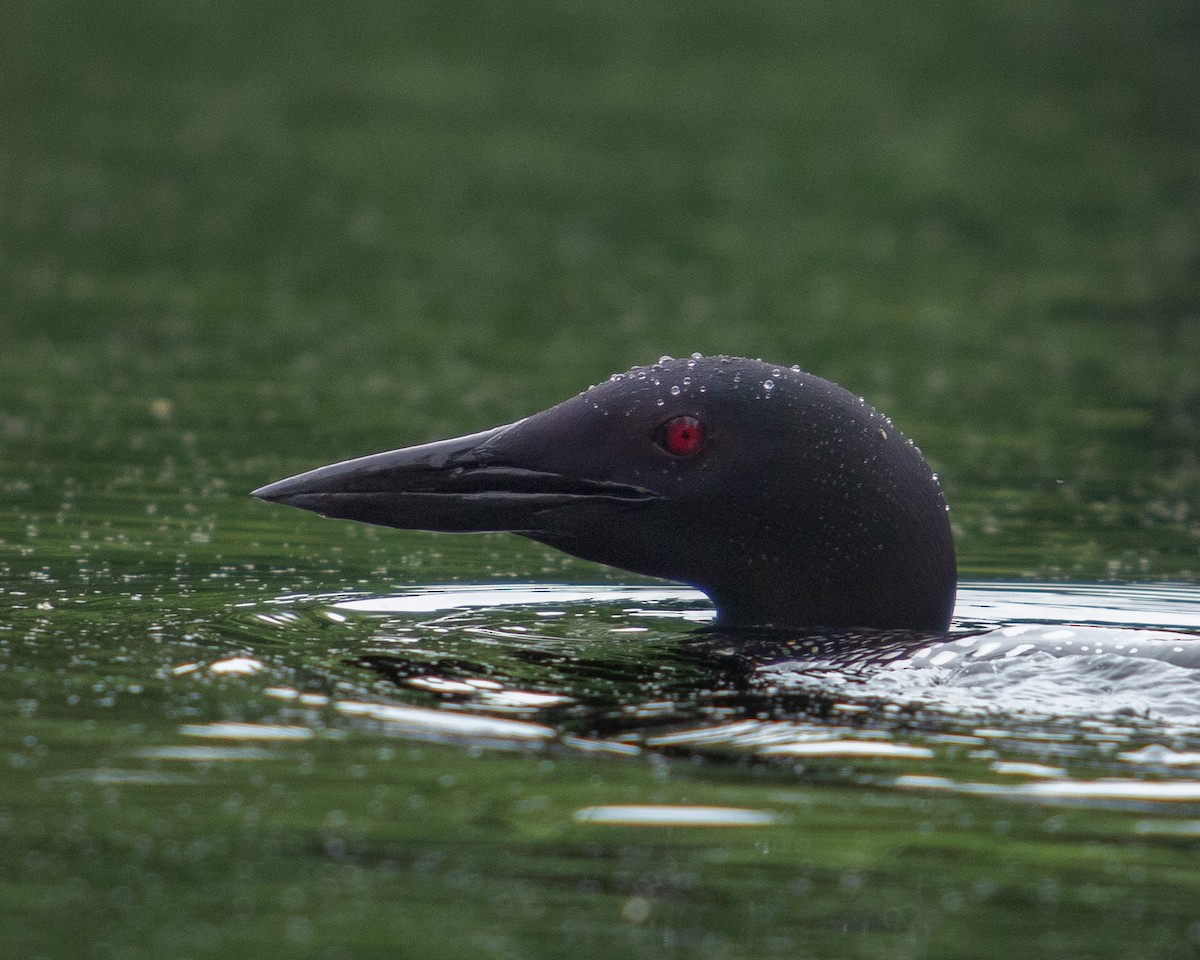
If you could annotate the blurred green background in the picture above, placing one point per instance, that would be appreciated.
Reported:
(290, 232)
(238, 240)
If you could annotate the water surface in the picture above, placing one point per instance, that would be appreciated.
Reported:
(340, 769)
(238, 241)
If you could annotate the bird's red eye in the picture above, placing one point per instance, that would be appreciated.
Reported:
(682, 436)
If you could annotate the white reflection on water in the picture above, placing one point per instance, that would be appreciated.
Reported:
(1174, 605)
(205, 754)
(1033, 679)
(1149, 791)
(1054, 650)
(1156, 755)
(881, 749)
(1018, 769)
(435, 599)
(751, 734)
(246, 731)
(490, 695)
(230, 666)
(446, 724)
(1099, 672)
(237, 665)
(304, 699)
(647, 815)
(793, 739)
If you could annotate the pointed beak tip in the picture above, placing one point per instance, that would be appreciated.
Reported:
(270, 492)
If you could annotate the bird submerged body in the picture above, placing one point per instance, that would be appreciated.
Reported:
(786, 499)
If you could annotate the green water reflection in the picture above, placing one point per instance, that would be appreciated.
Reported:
(237, 241)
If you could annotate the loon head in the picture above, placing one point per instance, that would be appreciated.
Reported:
(786, 499)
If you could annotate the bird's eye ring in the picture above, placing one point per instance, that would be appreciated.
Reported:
(682, 436)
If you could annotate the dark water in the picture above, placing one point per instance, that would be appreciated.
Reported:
(502, 768)
(239, 241)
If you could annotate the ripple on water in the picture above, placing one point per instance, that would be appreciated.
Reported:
(1037, 680)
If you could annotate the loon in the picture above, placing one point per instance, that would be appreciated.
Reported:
(786, 499)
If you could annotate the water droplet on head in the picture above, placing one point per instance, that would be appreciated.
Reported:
(776, 372)
(675, 390)
(659, 402)
(665, 359)
(795, 368)
(768, 384)
(697, 356)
